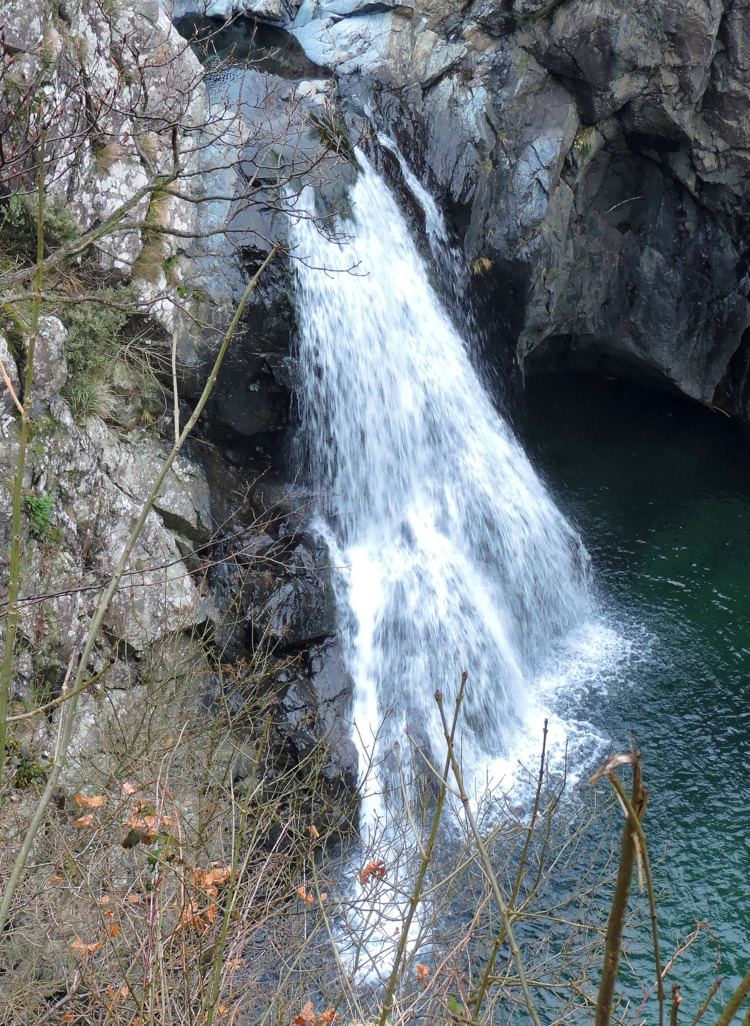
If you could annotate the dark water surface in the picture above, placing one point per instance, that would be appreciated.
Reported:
(660, 491)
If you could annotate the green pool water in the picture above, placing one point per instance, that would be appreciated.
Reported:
(660, 490)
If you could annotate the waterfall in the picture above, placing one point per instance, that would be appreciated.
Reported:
(452, 554)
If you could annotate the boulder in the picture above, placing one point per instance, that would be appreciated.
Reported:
(317, 710)
(271, 592)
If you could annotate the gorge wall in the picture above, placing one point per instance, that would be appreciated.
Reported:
(226, 590)
(593, 157)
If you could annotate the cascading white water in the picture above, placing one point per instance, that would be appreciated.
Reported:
(453, 555)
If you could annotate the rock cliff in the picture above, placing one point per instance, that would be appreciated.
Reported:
(224, 571)
(592, 156)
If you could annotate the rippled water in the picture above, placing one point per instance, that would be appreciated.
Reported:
(660, 490)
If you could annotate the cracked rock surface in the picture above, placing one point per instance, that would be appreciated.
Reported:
(593, 161)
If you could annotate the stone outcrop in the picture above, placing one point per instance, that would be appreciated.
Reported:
(89, 470)
(593, 160)
(85, 488)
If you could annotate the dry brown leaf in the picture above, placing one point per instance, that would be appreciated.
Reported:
(210, 880)
(328, 1016)
(86, 949)
(128, 789)
(84, 821)
(94, 801)
(134, 899)
(68, 1017)
(56, 879)
(305, 895)
(104, 900)
(314, 832)
(114, 930)
(219, 875)
(423, 972)
(306, 1016)
(374, 868)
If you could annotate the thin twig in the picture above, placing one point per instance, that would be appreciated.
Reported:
(734, 1004)
(709, 998)
(618, 910)
(424, 865)
(488, 868)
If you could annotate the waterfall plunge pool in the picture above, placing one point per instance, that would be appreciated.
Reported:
(660, 490)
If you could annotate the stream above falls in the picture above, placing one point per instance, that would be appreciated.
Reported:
(660, 490)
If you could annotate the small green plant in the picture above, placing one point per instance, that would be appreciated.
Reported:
(18, 225)
(38, 511)
(25, 769)
(106, 360)
(93, 331)
(110, 366)
(43, 426)
(90, 397)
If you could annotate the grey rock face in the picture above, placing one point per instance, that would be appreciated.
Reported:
(593, 160)
(95, 483)
(271, 591)
(50, 366)
(317, 708)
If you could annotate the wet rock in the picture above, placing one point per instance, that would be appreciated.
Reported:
(253, 396)
(285, 121)
(317, 710)
(271, 11)
(271, 592)
(593, 163)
